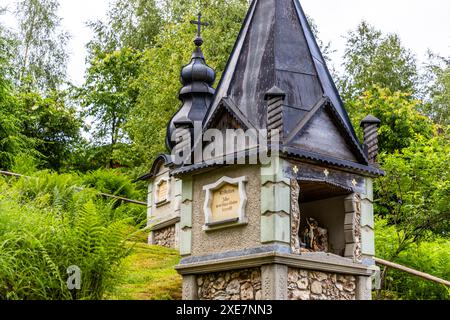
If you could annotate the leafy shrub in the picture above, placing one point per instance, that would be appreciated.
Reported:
(112, 182)
(115, 183)
(432, 257)
(48, 225)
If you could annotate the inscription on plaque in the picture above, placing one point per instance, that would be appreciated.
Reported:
(161, 191)
(225, 203)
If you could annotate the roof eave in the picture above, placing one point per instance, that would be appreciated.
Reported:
(345, 165)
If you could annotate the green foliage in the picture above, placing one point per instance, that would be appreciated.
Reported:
(42, 59)
(8, 49)
(413, 197)
(112, 182)
(130, 24)
(109, 93)
(438, 89)
(24, 164)
(432, 257)
(51, 124)
(36, 127)
(115, 183)
(44, 189)
(36, 120)
(401, 120)
(373, 59)
(47, 225)
(12, 142)
(53, 221)
(415, 194)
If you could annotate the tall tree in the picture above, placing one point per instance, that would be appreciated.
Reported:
(46, 116)
(130, 23)
(414, 196)
(8, 50)
(438, 89)
(115, 58)
(52, 123)
(401, 118)
(42, 59)
(12, 142)
(108, 95)
(372, 58)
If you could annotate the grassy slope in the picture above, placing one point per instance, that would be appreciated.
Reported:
(148, 274)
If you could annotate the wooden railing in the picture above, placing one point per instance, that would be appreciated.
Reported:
(416, 273)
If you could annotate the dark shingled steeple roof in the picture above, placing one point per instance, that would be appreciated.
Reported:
(196, 94)
(276, 48)
(276, 60)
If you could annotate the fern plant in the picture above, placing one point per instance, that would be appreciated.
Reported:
(47, 225)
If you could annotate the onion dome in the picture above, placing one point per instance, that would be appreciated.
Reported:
(197, 92)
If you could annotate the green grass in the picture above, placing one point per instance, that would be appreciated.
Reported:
(148, 274)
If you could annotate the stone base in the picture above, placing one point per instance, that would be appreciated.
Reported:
(164, 237)
(313, 285)
(166, 233)
(231, 285)
(276, 276)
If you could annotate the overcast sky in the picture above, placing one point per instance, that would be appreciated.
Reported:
(421, 24)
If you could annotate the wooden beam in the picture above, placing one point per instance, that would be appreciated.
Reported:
(10, 174)
(123, 199)
(416, 273)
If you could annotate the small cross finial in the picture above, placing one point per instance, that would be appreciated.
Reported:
(199, 41)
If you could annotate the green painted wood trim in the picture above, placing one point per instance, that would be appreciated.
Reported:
(367, 241)
(276, 198)
(187, 193)
(187, 190)
(275, 203)
(273, 172)
(367, 215)
(275, 228)
(185, 242)
(178, 188)
(186, 215)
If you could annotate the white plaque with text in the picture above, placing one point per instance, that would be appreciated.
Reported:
(225, 202)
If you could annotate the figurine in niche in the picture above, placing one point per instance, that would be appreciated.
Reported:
(315, 238)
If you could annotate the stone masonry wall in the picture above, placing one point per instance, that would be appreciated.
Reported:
(232, 285)
(165, 237)
(311, 285)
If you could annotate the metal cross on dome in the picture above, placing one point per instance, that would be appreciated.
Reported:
(199, 41)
